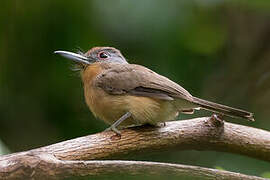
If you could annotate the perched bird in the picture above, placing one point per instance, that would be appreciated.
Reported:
(126, 94)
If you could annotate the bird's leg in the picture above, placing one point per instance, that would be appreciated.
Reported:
(116, 123)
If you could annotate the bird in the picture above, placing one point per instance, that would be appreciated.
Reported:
(123, 94)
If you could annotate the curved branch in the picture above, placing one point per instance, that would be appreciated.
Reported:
(199, 134)
(44, 166)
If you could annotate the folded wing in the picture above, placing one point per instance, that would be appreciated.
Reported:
(140, 81)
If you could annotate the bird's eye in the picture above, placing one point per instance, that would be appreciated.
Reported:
(102, 55)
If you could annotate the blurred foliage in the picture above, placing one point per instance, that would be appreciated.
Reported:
(266, 175)
(218, 50)
(219, 168)
(3, 148)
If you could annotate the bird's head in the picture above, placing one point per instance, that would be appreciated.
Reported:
(96, 54)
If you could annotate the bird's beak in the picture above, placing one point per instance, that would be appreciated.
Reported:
(73, 56)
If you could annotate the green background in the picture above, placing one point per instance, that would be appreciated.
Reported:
(218, 50)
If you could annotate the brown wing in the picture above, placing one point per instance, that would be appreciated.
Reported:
(139, 80)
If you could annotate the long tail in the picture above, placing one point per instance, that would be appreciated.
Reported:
(226, 110)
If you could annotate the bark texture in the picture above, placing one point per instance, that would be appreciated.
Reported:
(69, 158)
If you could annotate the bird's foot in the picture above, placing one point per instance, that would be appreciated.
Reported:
(117, 123)
(114, 129)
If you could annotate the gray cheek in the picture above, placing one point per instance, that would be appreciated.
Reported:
(118, 60)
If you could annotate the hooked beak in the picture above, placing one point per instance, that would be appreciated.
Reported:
(73, 56)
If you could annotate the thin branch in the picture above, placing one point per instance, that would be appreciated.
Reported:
(199, 134)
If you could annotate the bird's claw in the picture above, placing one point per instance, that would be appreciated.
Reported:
(112, 128)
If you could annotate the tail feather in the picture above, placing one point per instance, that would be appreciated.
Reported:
(226, 110)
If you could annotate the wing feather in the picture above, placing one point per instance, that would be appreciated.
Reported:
(139, 80)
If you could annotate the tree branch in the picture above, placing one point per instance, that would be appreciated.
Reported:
(45, 166)
(198, 134)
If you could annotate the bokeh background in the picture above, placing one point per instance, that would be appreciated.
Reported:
(218, 50)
